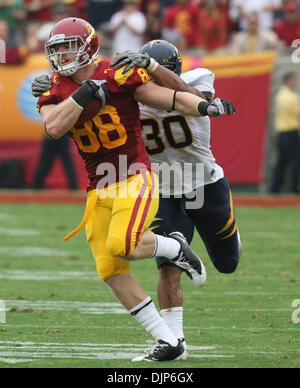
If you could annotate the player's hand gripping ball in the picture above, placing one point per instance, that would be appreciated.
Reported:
(43, 84)
(100, 92)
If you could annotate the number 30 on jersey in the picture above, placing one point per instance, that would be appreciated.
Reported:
(167, 125)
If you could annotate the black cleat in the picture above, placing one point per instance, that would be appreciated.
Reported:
(188, 261)
(184, 355)
(163, 351)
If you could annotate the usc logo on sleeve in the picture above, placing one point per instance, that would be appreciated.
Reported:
(56, 79)
(122, 79)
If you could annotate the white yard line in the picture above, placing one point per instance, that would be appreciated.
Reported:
(27, 251)
(85, 347)
(19, 232)
(129, 327)
(95, 308)
(13, 352)
(46, 275)
(102, 308)
(17, 352)
(15, 361)
(5, 216)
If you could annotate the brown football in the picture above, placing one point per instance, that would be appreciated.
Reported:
(89, 111)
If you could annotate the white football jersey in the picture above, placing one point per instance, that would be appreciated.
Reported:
(181, 142)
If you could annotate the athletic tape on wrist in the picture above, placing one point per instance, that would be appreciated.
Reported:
(152, 65)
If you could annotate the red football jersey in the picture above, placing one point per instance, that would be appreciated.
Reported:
(115, 130)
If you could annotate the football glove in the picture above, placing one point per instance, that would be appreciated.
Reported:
(41, 85)
(102, 93)
(220, 107)
(99, 88)
(90, 89)
(132, 59)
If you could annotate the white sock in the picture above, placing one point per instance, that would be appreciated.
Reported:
(147, 315)
(166, 247)
(173, 317)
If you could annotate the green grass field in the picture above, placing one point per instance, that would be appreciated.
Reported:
(60, 315)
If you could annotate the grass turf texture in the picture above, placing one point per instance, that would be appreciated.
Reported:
(239, 320)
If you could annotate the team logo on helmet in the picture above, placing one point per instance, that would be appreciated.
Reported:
(91, 30)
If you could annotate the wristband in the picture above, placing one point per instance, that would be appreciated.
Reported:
(152, 65)
(174, 100)
(85, 93)
(202, 108)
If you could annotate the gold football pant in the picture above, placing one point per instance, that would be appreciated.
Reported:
(115, 219)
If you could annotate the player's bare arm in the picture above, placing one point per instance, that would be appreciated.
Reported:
(188, 104)
(161, 75)
(168, 79)
(155, 96)
(59, 119)
(163, 98)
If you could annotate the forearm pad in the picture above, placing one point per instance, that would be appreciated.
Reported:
(202, 108)
(85, 93)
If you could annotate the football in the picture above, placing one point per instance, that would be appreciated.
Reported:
(90, 111)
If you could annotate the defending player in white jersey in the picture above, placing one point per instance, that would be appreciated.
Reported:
(171, 137)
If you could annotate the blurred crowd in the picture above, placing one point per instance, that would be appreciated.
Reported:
(195, 26)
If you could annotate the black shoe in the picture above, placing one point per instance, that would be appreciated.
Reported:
(162, 352)
(188, 261)
(184, 355)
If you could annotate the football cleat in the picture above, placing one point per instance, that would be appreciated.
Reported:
(188, 261)
(162, 351)
(184, 355)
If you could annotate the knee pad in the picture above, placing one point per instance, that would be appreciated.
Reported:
(108, 267)
(105, 270)
(115, 246)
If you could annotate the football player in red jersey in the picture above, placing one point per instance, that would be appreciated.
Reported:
(117, 225)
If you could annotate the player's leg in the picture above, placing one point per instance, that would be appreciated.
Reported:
(215, 222)
(130, 238)
(114, 270)
(171, 217)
